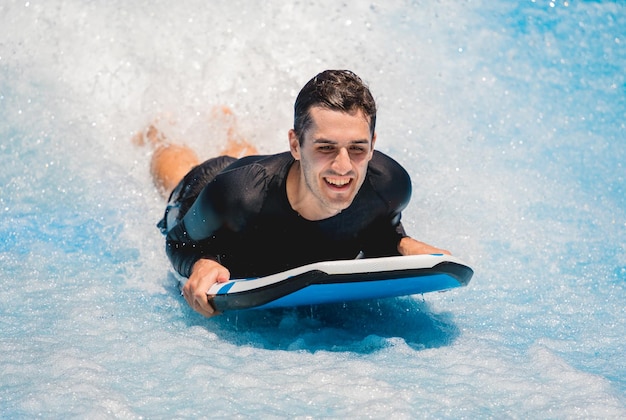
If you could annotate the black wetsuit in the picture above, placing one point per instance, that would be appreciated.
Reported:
(237, 212)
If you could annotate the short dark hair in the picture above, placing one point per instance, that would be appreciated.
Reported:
(337, 90)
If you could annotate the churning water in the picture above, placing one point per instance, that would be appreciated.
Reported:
(509, 116)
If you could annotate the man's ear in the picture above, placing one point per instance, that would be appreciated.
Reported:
(294, 144)
(373, 143)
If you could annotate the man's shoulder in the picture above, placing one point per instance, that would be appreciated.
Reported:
(246, 182)
(387, 169)
(266, 164)
(389, 179)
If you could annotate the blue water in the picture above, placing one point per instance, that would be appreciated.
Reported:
(510, 117)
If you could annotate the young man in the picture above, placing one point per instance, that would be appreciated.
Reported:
(330, 197)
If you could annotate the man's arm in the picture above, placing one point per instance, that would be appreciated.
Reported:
(184, 252)
(193, 245)
(410, 246)
(193, 237)
(202, 271)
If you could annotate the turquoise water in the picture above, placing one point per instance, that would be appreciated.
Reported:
(510, 117)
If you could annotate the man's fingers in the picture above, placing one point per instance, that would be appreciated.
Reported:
(205, 274)
(198, 301)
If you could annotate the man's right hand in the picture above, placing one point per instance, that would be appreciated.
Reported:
(204, 274)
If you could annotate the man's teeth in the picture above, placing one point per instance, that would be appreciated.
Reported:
(338, 182)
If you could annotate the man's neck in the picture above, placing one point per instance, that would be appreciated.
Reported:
(301, 200)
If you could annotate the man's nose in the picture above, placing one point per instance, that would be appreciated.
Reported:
(342, 163)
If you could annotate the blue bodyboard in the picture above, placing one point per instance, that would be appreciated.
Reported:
(343, 281)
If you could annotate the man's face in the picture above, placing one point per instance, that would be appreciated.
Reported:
(334, 155)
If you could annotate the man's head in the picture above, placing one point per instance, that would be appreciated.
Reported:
(336, 90)
(332, 141)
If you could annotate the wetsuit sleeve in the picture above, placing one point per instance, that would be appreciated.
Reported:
(383, 237)
(225, 204)
(183, 251)
(392, 184)
(187, 242)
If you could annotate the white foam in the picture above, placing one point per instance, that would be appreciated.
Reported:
(507, 115)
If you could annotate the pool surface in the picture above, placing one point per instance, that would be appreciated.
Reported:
(509, 116)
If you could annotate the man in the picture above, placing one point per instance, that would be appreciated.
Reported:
(330, 197)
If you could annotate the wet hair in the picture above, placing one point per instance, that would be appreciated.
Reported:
(337, 90)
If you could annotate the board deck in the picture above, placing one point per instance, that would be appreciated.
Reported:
(343, 281)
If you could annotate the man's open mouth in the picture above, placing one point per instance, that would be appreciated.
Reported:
(338, 182)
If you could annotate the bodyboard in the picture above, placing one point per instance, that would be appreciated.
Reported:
(343, 281)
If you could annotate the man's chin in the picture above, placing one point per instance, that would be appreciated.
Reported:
(340, 205)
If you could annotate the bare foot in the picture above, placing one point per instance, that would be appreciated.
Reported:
(238, 149)
(150, 136)
(170, 162)
(236, 145)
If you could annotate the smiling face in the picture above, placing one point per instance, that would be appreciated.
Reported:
(332, 162)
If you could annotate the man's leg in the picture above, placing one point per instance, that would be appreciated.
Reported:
(169, 165)
(171, 162)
